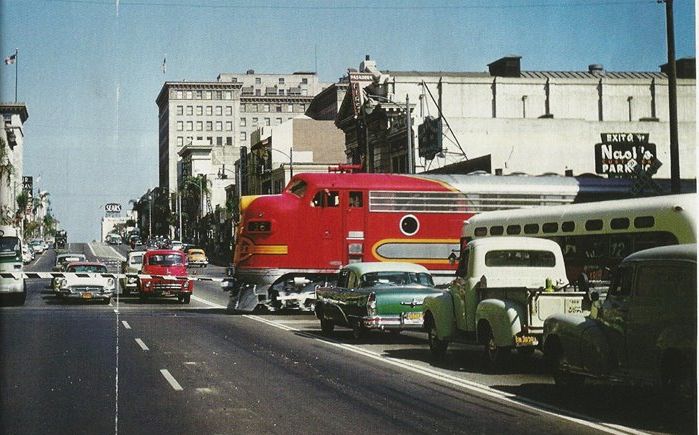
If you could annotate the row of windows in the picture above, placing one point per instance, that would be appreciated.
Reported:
(281, 80)
(208, 110)
(278, 108)
(218, 140)
(265, 122)
(621, 223)
(202, 95)
(201, 126)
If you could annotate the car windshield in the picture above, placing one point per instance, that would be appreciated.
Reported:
(92, 268)
(395, 278)
(62, 259)
(136, 259)
(165, 260)
(195, 252)
(9, 246)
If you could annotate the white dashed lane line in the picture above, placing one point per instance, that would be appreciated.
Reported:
(142, 344)
(126, 324)
(171, 380)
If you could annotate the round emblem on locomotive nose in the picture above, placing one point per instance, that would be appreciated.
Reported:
(409, 225)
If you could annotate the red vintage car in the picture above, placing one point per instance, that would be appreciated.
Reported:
(167, 275)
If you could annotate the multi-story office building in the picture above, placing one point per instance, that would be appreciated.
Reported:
(14, 116)
(224, 113)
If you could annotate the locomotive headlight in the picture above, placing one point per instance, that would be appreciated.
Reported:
(260, 226)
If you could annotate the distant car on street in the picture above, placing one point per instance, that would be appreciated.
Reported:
(84, 282)
(132, 264)
(62, 260)
(165, 262)
(177, 245)
(197, 257)
(38, 246)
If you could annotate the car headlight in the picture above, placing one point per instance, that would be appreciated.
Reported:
(62, 282)
(110, 283)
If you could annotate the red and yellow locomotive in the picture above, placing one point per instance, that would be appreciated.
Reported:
(289, 243)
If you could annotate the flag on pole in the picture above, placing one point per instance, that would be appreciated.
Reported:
(9, 60)
(163, 67)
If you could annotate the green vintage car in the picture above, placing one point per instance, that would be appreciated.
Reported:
(382, 295)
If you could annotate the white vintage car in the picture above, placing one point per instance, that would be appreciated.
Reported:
(84, 280)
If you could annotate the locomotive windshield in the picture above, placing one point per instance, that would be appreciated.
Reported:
(298, 188)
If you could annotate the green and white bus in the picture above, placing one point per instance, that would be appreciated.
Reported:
(11, 261)
(596, 236)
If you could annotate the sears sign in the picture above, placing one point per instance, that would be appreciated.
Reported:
(112, 207)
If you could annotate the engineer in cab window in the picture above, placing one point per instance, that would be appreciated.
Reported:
(355, 199)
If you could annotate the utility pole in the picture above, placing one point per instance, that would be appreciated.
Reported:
(672, 97)
(409, 130)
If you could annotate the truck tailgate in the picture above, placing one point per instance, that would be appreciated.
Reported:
(547, 304)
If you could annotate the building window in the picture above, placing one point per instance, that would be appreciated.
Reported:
(229, 140)
(243, 121)
(267, 121)
(200, 110)
(303, 107)
(258, 81)
(279, 121)
(265, 108)
(290, 108)
(188, 140)
(189, 95)
(180, 110)
(304, 81)
(281, 80)
(219, 126)
(229, 125)
(200, 137)
(197, 95)
(180, 141)
(218, 95)
(190, 110)
(258, 92)
(180, 126)
(219, 141)
(243, 107)
(209, 110)
(209, 125)
(219, 110)
(253, 107)
(207, 95)
(200, 126)
(189, 126)
(227, 95)
(278, 108)
(254, 122)
(281, 91)
(179, 95)
(243, 136)
(229, 111)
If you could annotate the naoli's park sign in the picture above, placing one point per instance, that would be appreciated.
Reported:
(614, 154)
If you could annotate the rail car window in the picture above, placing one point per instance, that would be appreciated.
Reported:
(568, 226)
(593, 225)
(619, 223)
(298, 188)
(531, 228)
(326, 198)
(644, 222)
(356, 200)
(550, 227)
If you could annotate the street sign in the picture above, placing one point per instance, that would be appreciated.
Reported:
(28, 184)
(112, 207)
(617, 150)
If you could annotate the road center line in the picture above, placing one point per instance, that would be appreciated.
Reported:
(142, 344)
(468, 385)
(205, 302)
(171, 380)
(126, 324)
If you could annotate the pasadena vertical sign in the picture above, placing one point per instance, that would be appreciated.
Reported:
(613, 155)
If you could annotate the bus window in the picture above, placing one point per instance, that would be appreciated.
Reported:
(593, 225)
(550, 227)
(644, 222)
(496, 230)
(513, 230)
(568, 226)
(531, 228)
(480, 232)
(355, 200)
(619, 223)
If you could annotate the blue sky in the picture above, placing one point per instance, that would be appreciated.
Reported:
(90, 70)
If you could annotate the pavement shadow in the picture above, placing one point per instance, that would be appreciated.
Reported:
(640, 408)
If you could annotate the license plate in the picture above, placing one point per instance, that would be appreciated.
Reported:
(525, 340)
(87, 295)
(573, 306)
(412, 318)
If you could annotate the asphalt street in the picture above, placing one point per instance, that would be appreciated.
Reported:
(164, 367)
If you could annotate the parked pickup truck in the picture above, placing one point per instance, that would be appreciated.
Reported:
(645, 331)
(505, 288)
